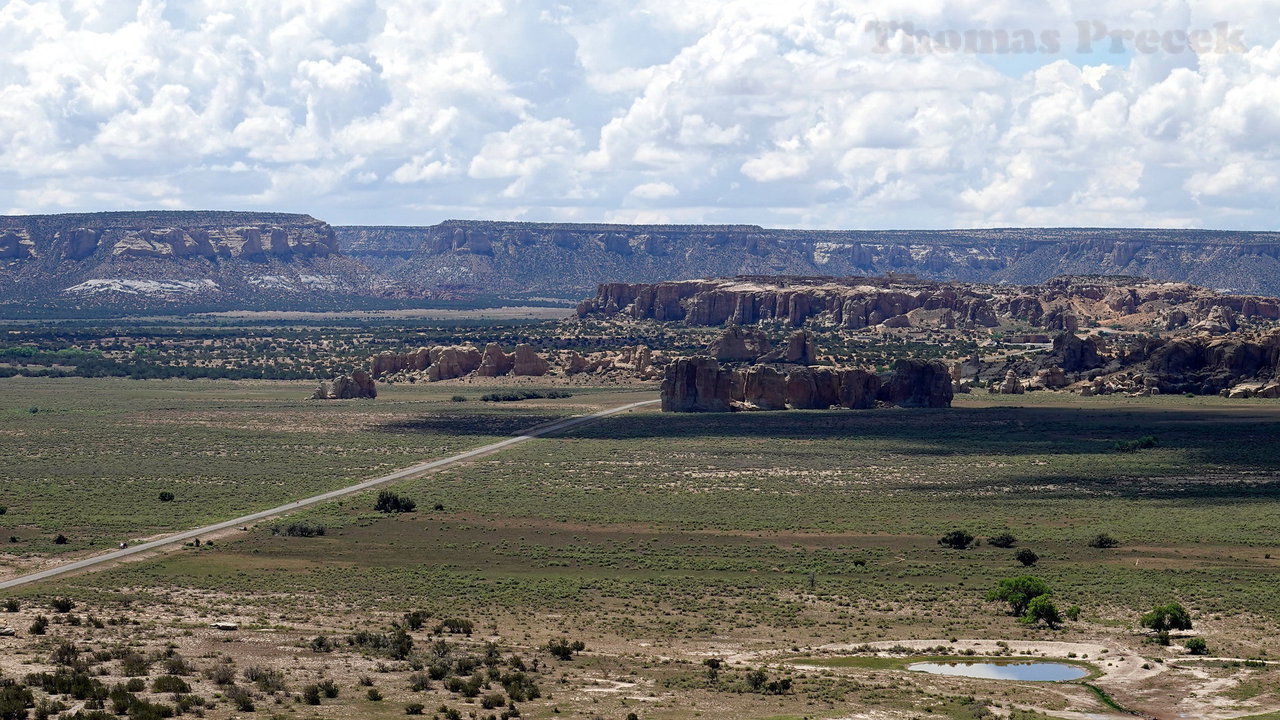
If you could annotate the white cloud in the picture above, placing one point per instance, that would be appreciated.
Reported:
(736, 110)
(655, 191)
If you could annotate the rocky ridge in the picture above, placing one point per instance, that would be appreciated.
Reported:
(1062, 304)
(569, 259)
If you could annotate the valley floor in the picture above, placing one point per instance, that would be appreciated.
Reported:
(757, 541)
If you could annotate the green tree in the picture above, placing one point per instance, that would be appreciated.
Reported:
(1018, 592)
(1027, 557)
(1041, 608)
(1163, 618)
(1197, 646)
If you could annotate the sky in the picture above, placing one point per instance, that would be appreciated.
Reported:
(796, 113)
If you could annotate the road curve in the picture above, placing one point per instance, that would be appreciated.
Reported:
(408, 472)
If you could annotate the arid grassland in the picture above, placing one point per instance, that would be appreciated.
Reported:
(710, 565)
(88, 459)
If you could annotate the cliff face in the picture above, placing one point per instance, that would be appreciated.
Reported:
(568, 260)
(158, 258)
(854, 303)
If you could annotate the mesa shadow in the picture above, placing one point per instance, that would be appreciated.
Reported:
(1226, 439)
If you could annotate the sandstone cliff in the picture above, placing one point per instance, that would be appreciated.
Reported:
(853, 303)
(700, 384)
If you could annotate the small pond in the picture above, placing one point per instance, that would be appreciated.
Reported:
(1014, 670)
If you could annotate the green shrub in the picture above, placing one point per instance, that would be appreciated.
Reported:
(1027, 557)
(1145, 442)
(389, 502)
(1197, 646)
(1103, 541)
(1002, 540)
(957, 540)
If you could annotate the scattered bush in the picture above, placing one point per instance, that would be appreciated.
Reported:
(455, 626)
(1027, 557)
(39, 625)
(266, 679)
(221, 674)
(240, 697)
(62, 605)
(456, 398)
(321, 644)
(61, 540)
(374, 695)
(12, 605)
(563, 649)
(328, 688)
(311, 694)
(1197, 646)
(493, 700)
(956, 540)
(1103, 541)
(1002, 540)
(414, 709)
(389, 502)
(170, 684)
(518, 395)
(300, 530)
(1143, 443)
(166, 496)
(1073, 613)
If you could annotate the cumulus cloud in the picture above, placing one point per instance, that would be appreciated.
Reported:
(812, 113)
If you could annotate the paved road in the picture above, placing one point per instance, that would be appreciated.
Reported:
(290, 507)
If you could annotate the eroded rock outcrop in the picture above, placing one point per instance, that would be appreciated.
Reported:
(901, 302)
(916, 382)
(799, 350)
(453, 361)
(347, 387)
(740, 344)
(526, 362)
(696, 384)
(701, 385)
(495, 362)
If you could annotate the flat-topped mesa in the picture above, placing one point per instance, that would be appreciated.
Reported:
(166, 234)
(903, 301)
(700, 384)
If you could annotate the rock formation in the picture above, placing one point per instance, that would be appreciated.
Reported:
(696, 384)
(452, 362)
(899, 302)
(346, 387)
(800, 350)
(1074, 354)
(1010, 386)
(701, 385)
(740, 344)
(918, 383)
(529, 363)
(390, 363)
(495, 362)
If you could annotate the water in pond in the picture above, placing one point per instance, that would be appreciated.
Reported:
(1033, 671)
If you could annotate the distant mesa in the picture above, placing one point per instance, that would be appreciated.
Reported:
(903, 301)
(42, 256)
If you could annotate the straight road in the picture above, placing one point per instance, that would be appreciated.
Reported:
(408, 472)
